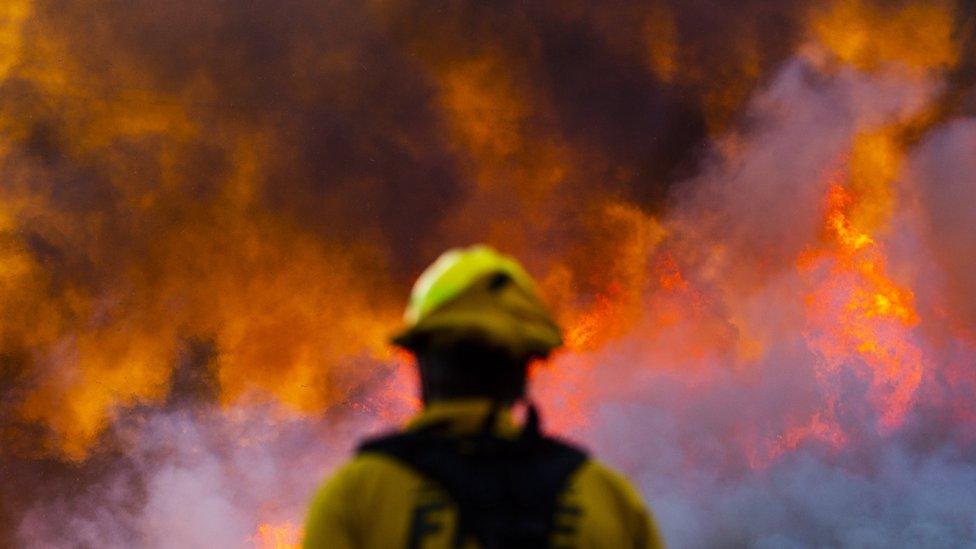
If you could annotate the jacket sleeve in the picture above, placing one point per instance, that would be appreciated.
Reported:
(640, 521)
(329, 524)
(648, 536)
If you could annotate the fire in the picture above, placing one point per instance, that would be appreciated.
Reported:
(622, 282)
(13, 14)
(277, 536)
(662, 41)
(821, 426)
(849, 238)
(858, 313)
(866, 34)
(225, 269)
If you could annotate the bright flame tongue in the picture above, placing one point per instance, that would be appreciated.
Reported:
(859, 317)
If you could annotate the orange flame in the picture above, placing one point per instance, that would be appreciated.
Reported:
(277, 536)
(919, 35)
(860, 314)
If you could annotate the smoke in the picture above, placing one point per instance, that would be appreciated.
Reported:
(760, 437)
(943, 167)
(194, 474)
(194, 480)
(755, 231)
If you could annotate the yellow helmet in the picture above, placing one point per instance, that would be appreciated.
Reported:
(478, 295)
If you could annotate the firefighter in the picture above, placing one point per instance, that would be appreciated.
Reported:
(463, 473)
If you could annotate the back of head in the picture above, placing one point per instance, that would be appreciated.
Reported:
(474, 322)
(470, 370)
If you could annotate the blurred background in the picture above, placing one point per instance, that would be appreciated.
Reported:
(754, 220)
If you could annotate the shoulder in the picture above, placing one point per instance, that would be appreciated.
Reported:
(355, 487)
(601, 487)
(595, 474)
(606, 491)
(363, 471)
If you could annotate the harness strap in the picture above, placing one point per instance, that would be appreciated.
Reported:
(506, 491)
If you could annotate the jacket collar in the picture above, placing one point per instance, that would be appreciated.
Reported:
(464, 416)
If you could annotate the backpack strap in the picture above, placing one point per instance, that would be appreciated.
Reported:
(506, 491)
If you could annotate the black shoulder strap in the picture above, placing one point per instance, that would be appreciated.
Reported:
(506, 491)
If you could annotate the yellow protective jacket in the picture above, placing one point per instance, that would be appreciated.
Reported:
(374, 501)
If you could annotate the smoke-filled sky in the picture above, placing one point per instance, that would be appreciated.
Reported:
(754, 221)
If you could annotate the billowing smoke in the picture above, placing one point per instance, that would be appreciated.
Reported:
(755, 224)
(736, 415)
